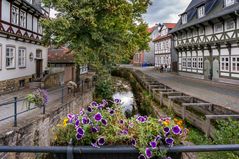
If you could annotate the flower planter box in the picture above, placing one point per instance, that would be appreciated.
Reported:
(109, 152)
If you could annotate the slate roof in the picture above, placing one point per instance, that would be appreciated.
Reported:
(61, 55)
(213, 9)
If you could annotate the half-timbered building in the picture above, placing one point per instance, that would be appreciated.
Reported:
(163, 53)
(22, 56)
(206, 40)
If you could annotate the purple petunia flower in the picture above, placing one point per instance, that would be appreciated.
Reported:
(169, 141)
(133, 142)
(79, 136)
(131, 125)
(153, 144)
(80, 131)
(85, 120)
(101, 141)
(111, 111)
(89, 109)
(121, 121)
(77, 124)
(94, 130)
(176, 130)
(141, 119)
(105, 102)
(124, 132)
(158, 137)
(100, 106)
(166, 129)
(148, 153)
(104, 122)
(70, 116)
(141, 157)
(94, 104)
(117, 101)
(98, 117)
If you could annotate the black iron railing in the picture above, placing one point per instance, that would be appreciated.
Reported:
(70, 150)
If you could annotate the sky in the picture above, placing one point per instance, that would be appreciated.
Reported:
(165, 11)
(161, 11)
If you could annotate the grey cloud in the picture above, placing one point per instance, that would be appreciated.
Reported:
(165, 11)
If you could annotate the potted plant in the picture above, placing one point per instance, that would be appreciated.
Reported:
(100, 124)
(39, 97)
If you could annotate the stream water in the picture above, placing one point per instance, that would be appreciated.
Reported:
(123, 91)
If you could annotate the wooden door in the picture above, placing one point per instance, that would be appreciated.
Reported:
(215, 72)
(38, 68)
(207, 68)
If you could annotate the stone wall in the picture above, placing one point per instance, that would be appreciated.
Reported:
(36, 130)
(12, 85)
(52, 80)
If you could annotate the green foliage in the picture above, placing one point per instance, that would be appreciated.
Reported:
(118, 129)
(99, 32)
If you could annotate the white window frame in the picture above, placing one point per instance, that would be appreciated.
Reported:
(235, 64)
(22, 57)
(201, 11)
(184, 18)
(201, 31)
(10, 57)
(230, 25)
(194, 63)
(184, 62)
(189, 62)
(217, 30)
(229, 2)
(200, 63)
(23, 18)
(224, 64)
(15, 15)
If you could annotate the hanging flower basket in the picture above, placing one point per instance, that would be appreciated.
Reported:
(39, 97)
(100, 124)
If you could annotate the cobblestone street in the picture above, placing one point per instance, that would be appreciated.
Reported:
(225, 95)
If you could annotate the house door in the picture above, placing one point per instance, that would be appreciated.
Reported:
(207, 68)
(215, 72)
(38, 68)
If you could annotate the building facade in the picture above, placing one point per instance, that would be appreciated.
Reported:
(206, 40)
(146, 58)
(164, 55)
(22, 57)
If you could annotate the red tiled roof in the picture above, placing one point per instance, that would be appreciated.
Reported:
(61, 55)
(170, 25)
(151, 29)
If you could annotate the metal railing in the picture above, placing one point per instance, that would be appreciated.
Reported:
(70, 150)
(19, 105)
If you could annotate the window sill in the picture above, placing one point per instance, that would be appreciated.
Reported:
(22, 67)
(10, 68)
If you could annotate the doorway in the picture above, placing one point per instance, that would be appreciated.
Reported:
(207, 69)
(215, 72)
(38, 68)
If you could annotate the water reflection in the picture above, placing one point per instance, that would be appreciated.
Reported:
(127, 99)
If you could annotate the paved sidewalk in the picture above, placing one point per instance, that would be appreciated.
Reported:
(222, 94)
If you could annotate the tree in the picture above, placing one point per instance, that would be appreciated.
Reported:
(99, 32)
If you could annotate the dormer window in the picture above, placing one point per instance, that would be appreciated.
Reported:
(229, 2)
(201, 11)
(184, 18)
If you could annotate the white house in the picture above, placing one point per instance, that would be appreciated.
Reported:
(206, 40)
(22, 56)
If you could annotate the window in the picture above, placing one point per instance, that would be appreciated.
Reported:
(229, 2)
(39, 54)
(189, 62)
(224, 63)
(184, 62)
(194, 60)
(230, 25)
(39, 28)
(195, 33)
(235, 63)
(15, 14)
(201, 31)
(189, 34)
(184, 18)
(23, 19)
(200, 63)
(218, 28)
(10, 57)
(201, 11)
(22, 57)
